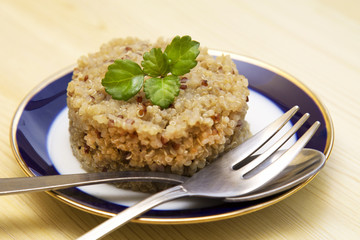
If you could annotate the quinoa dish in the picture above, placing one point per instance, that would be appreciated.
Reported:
(204, 120)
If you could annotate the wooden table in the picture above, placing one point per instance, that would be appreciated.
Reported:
(318, 42)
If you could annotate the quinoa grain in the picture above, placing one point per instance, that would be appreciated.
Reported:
(206, 118)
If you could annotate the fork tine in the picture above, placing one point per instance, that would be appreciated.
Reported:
(276, 167)
(259, 139)
(265, 155)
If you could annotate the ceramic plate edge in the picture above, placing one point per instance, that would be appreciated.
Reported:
(327, 151)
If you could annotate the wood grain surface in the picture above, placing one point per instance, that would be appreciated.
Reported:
(318, 42)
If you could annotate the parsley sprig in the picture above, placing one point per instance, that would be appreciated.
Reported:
(125, 78)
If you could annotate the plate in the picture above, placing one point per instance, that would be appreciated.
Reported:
(39, 139)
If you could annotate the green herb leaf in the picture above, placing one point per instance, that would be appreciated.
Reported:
(162, 91)
(155, 63)
(123, 80)
(182, 53)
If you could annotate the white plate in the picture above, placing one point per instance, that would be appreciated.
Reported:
(41, 145)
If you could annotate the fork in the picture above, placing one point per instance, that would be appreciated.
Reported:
(228, 176)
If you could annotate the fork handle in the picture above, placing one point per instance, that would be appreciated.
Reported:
(45, 183)
(134, 211)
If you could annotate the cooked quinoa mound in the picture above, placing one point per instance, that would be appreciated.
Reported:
(206, 119)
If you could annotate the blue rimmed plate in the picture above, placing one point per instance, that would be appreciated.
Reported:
(40, 142)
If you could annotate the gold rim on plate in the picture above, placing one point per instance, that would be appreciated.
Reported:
(154, 220)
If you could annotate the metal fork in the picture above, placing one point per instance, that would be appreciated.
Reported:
(228, 176)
